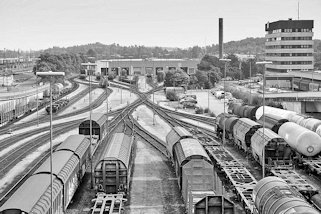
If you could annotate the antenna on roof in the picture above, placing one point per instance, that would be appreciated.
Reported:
(298, 9)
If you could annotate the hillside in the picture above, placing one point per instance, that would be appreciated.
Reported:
(253, 46)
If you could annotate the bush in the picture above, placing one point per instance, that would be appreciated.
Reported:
(188, 105)
(199, 110)
(212, 114)
(172, 96)
(206, 110)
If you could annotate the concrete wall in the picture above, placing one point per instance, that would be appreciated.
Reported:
(298, 107)
(303, 107)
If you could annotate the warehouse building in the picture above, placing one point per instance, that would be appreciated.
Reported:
(145, 66)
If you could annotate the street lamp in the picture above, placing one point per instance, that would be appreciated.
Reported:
(226, 61)
(90, 67)
(131, 73)
(37, 89)
(263, 151)
(208, 92)
(50, 74)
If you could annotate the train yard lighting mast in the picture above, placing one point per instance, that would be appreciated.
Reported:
(37, 90)
(50, 74)
(226, 61)
(90, 68)
(131, 72)
(263, 151)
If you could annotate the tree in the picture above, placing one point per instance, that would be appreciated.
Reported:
(91, 53)
(202, 77)
(176, 78)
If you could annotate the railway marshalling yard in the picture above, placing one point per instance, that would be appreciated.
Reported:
(154, 187)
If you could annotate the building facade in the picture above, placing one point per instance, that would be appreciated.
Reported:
(144, 66)
(289, 45)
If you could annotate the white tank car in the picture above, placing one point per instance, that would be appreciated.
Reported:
(274, 111)
(297, 118)
(311, 124)
(301, 139)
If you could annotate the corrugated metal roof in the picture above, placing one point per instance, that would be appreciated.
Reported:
(99, 118)
(28, 198)
(119, 148)
(189, 147)
(175, 135)
(182, 131)
(75, 143)
(65, 162)
(243, 126)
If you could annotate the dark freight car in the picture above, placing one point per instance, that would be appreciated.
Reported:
(113, 171)
(272, 122)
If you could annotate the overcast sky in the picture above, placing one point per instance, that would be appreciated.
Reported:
(40, 24)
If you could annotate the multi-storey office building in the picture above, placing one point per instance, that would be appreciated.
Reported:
(289, 45)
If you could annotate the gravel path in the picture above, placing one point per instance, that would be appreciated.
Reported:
(154, 187)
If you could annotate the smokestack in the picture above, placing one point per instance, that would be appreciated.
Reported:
(220, 37)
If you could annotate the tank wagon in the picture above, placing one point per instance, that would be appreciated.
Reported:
(301, 139)
(195, 174)
(113, 170)
(272, 122)
(274, 111)
(221, 121)
(69, 164)
(272, 195)
(245, 111)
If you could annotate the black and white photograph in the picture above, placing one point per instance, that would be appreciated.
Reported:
(160, 107)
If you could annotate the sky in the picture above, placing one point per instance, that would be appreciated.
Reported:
(41, 24)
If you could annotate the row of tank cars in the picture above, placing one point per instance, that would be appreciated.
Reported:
(284, 142)
(13, 109)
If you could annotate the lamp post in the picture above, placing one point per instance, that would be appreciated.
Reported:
(37, 90)
(226, 61)
(50, 74)
(90, 67)
(263, 151)
(208, 92)
(131, 73)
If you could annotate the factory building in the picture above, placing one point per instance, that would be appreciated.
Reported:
(145, 66)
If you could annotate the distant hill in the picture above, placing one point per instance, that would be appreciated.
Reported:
(102, 51)
(250, 45)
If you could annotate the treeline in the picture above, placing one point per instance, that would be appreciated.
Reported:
(254, 46)
(68, 63)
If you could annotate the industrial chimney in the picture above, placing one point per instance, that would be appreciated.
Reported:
(220, 37)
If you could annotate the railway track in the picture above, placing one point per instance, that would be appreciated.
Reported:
(18, 154)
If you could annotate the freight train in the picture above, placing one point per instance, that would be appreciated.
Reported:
(13, 109)
(255, 113)
(196, 177)
(113, 170)
(306, 84)
(70, 160)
